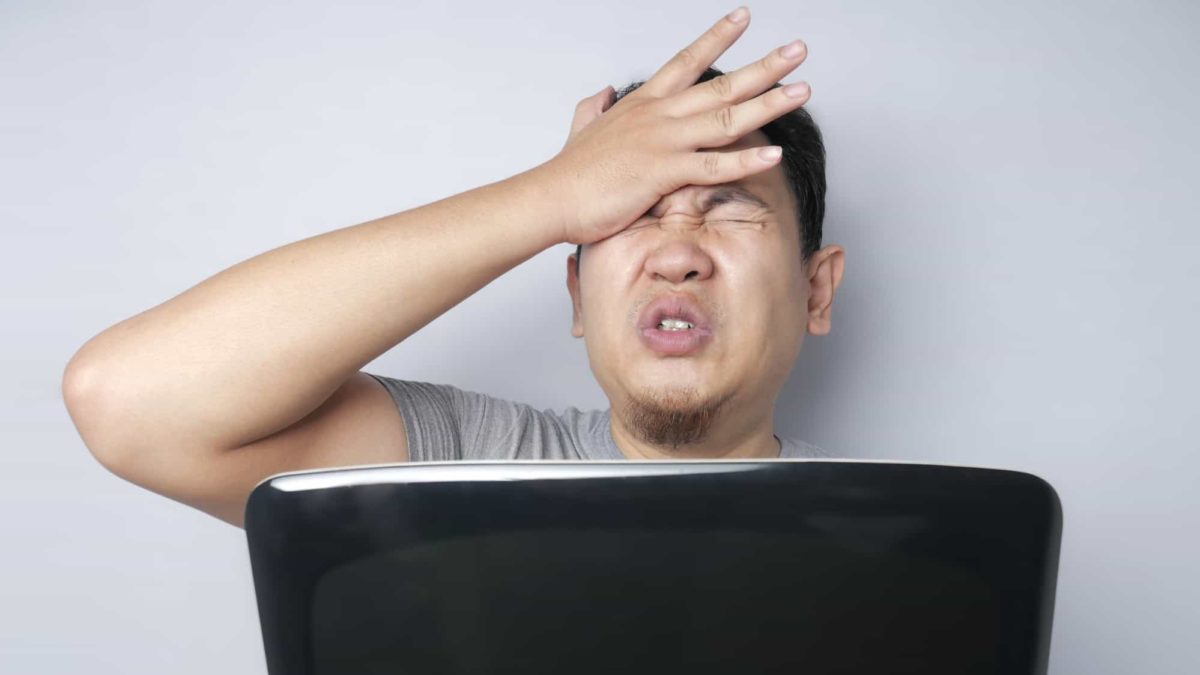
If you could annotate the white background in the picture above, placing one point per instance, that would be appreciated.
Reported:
(1013, 183)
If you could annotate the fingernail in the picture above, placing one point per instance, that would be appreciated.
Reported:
(739, 15)
(795, 90)
(770, 153)
(792, 50)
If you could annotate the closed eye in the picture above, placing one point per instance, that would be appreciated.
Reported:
(646, 222)
(757, 224)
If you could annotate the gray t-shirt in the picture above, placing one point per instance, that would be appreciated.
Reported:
(444, 423)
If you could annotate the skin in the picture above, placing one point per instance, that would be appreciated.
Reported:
(742, 264)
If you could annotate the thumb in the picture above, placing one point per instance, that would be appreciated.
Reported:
(590, 108)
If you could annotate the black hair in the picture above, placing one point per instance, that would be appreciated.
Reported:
(803, 165)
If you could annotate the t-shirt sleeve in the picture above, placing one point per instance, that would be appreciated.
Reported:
(445, 423)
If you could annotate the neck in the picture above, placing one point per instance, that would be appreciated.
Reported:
(755, 440)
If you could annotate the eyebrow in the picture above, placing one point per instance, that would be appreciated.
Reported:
(733, 193)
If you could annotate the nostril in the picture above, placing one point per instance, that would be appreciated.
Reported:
(691, 274)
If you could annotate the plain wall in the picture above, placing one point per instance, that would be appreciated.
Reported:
(1014, 184)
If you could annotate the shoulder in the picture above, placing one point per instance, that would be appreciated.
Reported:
(467, 424)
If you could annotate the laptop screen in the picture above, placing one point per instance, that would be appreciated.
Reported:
(696, 567)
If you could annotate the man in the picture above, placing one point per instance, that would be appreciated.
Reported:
(691, 288)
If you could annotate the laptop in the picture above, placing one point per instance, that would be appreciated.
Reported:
(686, 566)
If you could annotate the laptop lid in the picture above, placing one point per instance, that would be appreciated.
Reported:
(692, 566)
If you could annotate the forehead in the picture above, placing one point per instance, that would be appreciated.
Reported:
(770, 184)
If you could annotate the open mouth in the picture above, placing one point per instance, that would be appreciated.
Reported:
(671, 341)
(674, 325)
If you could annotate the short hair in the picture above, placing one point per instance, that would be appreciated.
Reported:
(803, 165)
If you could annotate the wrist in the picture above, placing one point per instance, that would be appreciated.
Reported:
(545, 188)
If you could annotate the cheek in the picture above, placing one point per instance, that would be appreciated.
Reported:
(751, 272)
(602, 315)
(765, 293)
(603, 283)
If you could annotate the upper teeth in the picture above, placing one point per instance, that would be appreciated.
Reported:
(674, 324)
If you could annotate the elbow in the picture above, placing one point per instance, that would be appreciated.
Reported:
(88, 395)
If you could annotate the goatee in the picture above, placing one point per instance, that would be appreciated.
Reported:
(672, 418)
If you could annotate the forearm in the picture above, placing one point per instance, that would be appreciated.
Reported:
(258, 346)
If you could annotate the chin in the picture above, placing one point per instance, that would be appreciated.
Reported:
(679, 395)
(672, 415)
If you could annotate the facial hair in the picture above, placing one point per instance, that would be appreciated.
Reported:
(669, 419)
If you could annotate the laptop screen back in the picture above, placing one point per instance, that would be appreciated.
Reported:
(680, 567)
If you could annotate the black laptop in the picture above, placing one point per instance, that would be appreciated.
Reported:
(689, 567)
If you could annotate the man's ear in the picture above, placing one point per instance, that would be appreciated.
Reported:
(824, 275)
(573, 289)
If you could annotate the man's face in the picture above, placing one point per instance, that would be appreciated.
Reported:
(738, 264)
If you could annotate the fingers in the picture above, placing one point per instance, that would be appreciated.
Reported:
(688, 64)
(722, 126)
(743, 83)
(710, 168)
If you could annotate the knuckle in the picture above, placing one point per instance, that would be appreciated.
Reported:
(722, 86)
(686, 56)
(723, 118)
(711, 164)
(749, 159)
(639, 113)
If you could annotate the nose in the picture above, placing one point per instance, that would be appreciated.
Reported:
(678, 258)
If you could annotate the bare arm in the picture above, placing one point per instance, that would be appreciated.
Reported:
(173, 397)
